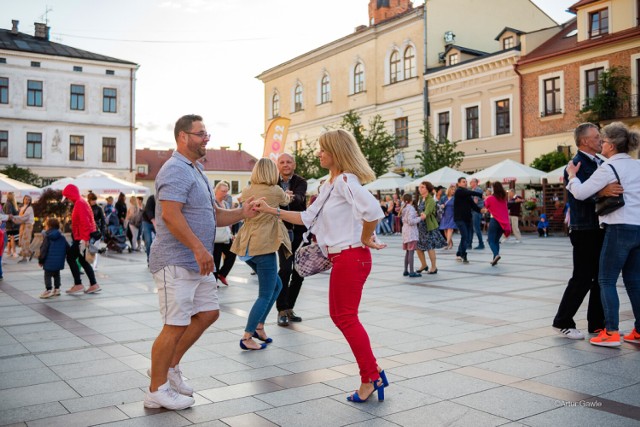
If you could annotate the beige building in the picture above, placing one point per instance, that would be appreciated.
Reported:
(475, 98)
(378, 69)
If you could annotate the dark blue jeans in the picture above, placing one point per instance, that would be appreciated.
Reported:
(465, 229)
(493, 236)
(620, 252)
(269, 286)
(476, 219)
(147, 235)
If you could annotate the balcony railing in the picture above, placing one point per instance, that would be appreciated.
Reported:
(623, 109)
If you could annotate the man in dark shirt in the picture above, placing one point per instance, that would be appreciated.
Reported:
(296, 187)
(148, 223)
(463, 205)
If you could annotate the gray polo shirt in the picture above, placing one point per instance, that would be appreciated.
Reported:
(181, 180)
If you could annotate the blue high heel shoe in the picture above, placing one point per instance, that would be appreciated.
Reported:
(244, 347)
(268, 340)
(383, 376)
(377, 386)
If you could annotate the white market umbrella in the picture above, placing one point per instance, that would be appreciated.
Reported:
(556, 176)
(313, 184)
(102, 184)
(445, 176)
(509, 170)
(58, 184)
(20, 189)
(388, 182)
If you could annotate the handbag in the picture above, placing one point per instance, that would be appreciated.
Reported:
(607, 204)
(309, 259)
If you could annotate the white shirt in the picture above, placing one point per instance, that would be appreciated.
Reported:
(629, 172)
(340, 222)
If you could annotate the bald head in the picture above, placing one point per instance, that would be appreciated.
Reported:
(286, 165)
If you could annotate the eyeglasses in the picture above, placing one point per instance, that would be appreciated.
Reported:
(202, 135)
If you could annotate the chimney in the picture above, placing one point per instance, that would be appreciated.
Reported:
(14, 26)
(224, 148)
(239, 146)
(42, 31)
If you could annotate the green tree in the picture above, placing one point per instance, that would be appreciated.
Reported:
(378, 145)
(308, 162)
(21, 174)
(613, 95)
(439, 153)
(550, 161)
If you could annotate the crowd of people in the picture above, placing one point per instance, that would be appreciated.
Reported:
(192, 236)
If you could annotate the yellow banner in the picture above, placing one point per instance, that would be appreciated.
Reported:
(275, 138)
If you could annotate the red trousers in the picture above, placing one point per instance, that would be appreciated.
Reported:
(350, 270)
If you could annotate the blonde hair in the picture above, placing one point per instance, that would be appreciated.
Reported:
(451, 190)
(220, 184)
(11, 198)
(346, 154)
(265, 172)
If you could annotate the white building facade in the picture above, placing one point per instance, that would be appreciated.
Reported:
(64, 111)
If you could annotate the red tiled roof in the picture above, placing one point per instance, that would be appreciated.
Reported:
(559, 44)
(215, 160)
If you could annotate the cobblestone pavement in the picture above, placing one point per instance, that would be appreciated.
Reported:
(471, 345)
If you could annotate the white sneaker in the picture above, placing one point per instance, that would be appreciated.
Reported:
(177, 381)
(571, 333)
(167, 397)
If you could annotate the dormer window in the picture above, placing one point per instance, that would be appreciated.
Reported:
(598, 23)
(508, 43)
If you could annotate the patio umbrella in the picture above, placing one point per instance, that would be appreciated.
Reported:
(59, 184)
(444, 176)
(507, 171)
(102, 184)
(556, 176)
(313, 184)
(20, 189)
(390, 181)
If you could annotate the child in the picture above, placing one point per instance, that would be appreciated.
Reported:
(257, 244)
(53, 254)
(543, 226)
(410, 220)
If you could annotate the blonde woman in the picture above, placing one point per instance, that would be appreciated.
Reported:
(345, 215)
(133, 220)
(257, 244)
(26, 219)
(448, 224)
(12, 230)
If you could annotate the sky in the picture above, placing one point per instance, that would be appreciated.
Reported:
(202, 56)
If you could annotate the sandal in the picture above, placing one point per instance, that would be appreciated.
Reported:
(256, 335)
(244, 347)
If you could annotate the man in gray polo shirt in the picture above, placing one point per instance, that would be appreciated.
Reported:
(181, 261)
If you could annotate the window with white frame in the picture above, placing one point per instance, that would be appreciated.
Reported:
(275, 105)
(394, 67)
(358, 78)
(325, 89)
(108, 150)
(109, 100)
(297, 98)
(503, 117)
(472, 122)
(76, 147)
(4, 90)
(444, 121)
(4, 143)
(409, 62)
(508, 42)
(552, 91)
(34, 145)
(77, 97)
(592, 84)
(34, 93)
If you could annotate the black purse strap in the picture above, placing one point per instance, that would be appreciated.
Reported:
(305, 237)
(614, 171)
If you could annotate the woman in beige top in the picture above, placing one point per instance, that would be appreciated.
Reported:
(26, 219)
(132, 221)
(257, 243)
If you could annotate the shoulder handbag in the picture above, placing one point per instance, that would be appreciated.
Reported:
(309, 259)
(605, 205)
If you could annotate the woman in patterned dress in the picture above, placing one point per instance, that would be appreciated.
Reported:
(429, 238)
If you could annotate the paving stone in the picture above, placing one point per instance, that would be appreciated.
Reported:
(81, 419)
(35, 394)
(578, 417)
(447, 385)
(522, 367)
(29, 413)
(588, 381)
(297, 394)
(107, 383)
(20, 363)
(27, 377)
(229, 408)
(445, 414)
(315, 413)
(73, 356)
(248, 420)
(103, 400)
(165, 419)
(220, 394)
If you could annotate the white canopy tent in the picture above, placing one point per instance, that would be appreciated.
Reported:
(390, 181)
(556, 176)
(102, 184)
(20, 189)
(59, 184)
(509, 170)
(444, 176)
(313, 184)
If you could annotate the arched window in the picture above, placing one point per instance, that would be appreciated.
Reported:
(325, 89)
(358, 78)
(394, 67)
(275, 105)
(297, 98)
(409, 63)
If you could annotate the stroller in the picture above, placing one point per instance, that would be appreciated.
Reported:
(115, 237)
